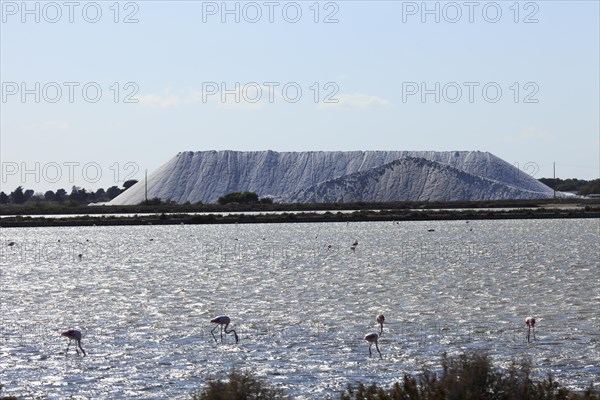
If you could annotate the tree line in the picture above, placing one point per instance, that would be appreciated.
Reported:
(579, 186)
(77, 195)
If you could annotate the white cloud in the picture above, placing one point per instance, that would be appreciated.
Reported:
(155, 100)
(534, 133)
(241, 105)
(254, 97)
(251, 97)
(356, 100)
(248, 97)
(52, 125)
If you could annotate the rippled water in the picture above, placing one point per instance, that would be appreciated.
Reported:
(143, 297)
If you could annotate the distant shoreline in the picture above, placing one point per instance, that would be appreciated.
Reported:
(300, 216)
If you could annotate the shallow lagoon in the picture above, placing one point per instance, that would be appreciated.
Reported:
(143, 297)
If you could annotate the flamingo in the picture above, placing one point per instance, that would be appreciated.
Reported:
(223, 321)
(353, 247)
(380, 318)
(75, 335)
(530, 322)
(372, 338)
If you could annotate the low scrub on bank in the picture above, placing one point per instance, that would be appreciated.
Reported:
(239, 386)
(470, 376)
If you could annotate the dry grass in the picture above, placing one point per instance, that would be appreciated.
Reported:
(238, 386)
(470, 376)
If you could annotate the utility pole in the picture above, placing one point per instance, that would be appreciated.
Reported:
(554, 171)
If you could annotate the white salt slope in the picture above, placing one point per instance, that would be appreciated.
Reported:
(394, 181)
(286, 176)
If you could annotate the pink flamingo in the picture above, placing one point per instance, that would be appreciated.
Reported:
(75, 335)
(380, 318)
(223, 321)
(353, 247)
(530, 322)
(373, 338)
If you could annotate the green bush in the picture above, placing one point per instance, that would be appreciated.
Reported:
(238, 198)
(239, 386)
(592, 187)
(470, 376)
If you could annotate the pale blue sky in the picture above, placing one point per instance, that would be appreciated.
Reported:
(371, 56)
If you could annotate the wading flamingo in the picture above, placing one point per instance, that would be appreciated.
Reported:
(75, 335)
(223, 321)
(372, 338)
(530, 322)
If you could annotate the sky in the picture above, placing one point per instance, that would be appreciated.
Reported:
(96, 93)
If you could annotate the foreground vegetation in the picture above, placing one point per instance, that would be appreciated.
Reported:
(239, 386)
(470, 376)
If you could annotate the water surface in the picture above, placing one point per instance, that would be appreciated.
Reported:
(144, 295)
